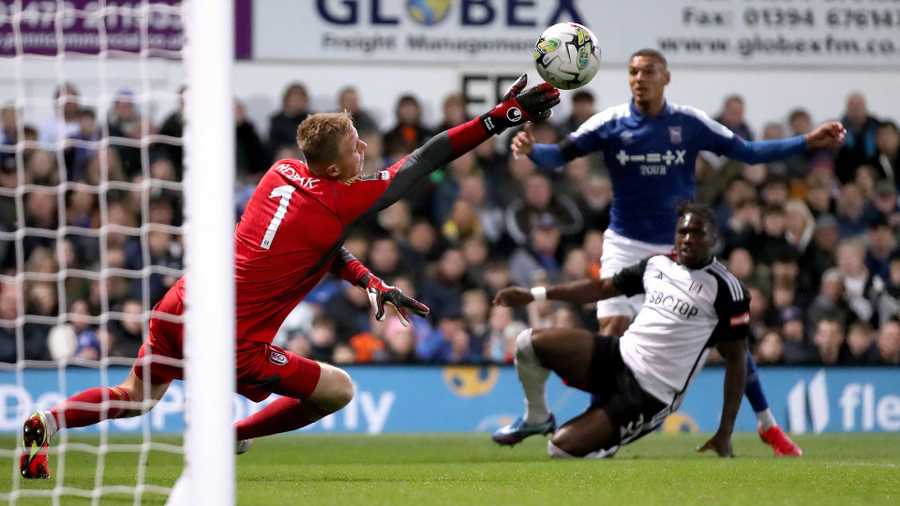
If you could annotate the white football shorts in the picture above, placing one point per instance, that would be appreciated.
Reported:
(620, 252)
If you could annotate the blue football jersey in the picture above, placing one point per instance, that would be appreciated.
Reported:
(651, 163)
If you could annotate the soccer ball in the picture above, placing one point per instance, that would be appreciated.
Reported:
(567, 55)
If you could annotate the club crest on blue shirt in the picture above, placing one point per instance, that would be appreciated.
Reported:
(675, 134)
(627, 137)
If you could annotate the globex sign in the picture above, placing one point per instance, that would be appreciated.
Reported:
(503, 32)
(406, 30)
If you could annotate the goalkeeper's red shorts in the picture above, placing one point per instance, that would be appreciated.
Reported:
(262, 368)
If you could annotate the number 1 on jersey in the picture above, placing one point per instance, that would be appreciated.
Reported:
(284, 193)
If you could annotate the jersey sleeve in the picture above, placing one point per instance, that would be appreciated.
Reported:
(717, 138)
(630, 280)
(733, 309)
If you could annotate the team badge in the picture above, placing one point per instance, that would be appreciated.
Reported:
(277, 357)
(675, 135)
(627, 137)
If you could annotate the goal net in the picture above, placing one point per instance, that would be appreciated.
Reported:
(102, 207)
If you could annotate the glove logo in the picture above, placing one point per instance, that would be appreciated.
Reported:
(514, 114)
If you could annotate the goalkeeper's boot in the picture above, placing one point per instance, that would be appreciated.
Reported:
(514, 433)
(33, 463)
(779, 441)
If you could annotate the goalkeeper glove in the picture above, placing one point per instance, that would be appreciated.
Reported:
(381, 293)
(518, 107)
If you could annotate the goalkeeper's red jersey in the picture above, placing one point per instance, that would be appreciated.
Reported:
(284, 241)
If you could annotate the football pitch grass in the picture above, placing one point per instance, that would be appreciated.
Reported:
(468, 469)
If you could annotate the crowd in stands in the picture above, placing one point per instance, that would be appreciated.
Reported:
(813, 237)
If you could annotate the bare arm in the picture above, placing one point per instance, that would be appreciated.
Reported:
(735, 355)
(577, 292)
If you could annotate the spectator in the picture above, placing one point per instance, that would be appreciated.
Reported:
(384, 258)
(348, 100)
(124, 336)
(251, 159)
(861, 287)
(9, 307)
(829, 338)
(500, 346)
(884, 205)
(732, 116)
(173, 127)
(860, 143)
(124, 124)
(475, 309)
(582, 109)
(770, 349)
(408, 133)
(283, 124)
(889, 300)
(443, 292)
(889, 342)
(349, 309)
(400, 342)
(64, 122)
(882, 244)
(860, 348)
(540, 200)
(539, 257)
(322, 339)
(887, 155)
(830, 302)
(454, 110)
(851, 212)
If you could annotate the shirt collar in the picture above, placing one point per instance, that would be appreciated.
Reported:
(636, 114)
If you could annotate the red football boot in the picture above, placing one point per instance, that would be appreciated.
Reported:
(780, 442)
(34, 464)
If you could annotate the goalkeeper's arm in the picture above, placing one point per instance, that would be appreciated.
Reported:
(516, 108)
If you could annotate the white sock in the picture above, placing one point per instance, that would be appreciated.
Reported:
(533, 377)
(765, 419)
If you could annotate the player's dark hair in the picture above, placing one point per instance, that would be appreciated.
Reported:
(319, 136)
(650, 53)
(701, 210)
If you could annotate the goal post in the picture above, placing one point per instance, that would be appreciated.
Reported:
(209, 206)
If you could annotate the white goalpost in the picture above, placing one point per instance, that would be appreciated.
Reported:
(62, 277)
(209, 195)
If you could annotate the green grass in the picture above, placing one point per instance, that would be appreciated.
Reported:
(469, 470)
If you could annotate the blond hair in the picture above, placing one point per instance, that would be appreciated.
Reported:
(320, 134)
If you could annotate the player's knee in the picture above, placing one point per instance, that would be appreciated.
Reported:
(336, 390)
(344, 389)
(525, 345)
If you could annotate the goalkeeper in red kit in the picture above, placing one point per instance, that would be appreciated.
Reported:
(289, 237)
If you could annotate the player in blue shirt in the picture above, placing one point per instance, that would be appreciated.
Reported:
(650, 147)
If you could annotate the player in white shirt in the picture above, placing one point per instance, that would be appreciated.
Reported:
(691, 303)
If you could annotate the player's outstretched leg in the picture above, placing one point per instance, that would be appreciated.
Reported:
(563, 351)
(82, 409)
(768, 428)
(311, 390)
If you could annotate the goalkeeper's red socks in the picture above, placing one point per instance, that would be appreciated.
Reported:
(84, 408)
(282, 415)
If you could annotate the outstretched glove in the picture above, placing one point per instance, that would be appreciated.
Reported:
(518, 107)
(381, 293)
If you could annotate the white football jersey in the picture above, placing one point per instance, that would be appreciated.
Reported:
(685, 312)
